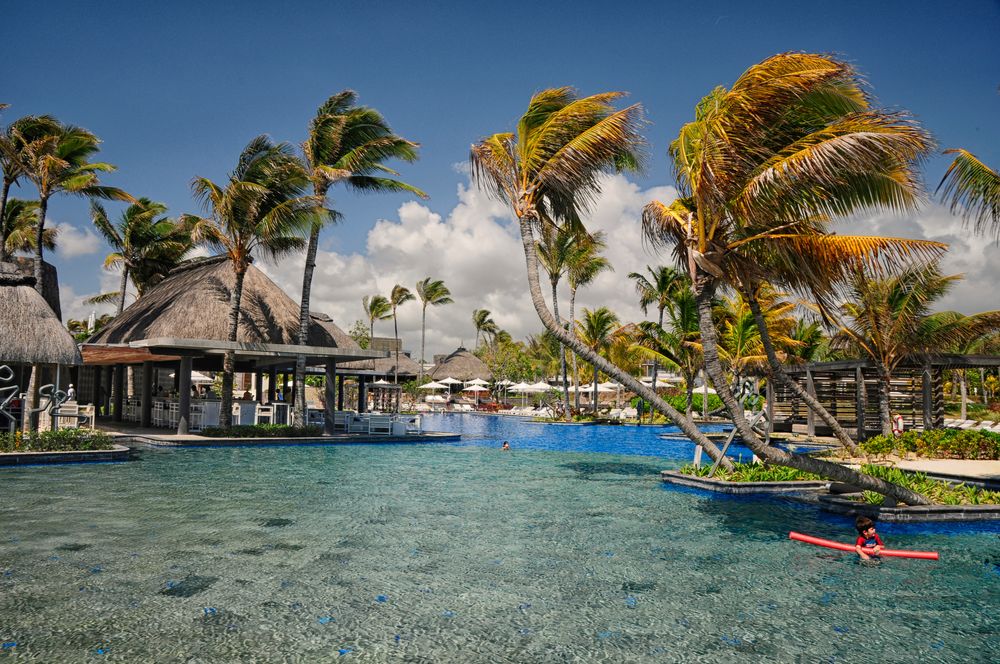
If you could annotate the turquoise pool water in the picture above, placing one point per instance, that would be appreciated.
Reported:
(565, 549)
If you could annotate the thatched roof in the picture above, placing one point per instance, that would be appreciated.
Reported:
(193, 303)
(461, 365)
(386, 366)
(30, 333)
(50, 281)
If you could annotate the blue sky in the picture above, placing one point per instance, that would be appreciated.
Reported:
(177, 89)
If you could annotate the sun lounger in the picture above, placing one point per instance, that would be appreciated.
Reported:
(380, 425)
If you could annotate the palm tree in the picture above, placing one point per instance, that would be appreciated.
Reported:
(762, 170)
(260, 210)
(399, 295)
(56, 160)
(659, 288)
(13, 140)
(484, 324)
(547, 172)
(889, 319)
(973, 187)
(376, 307)
(146, 245)
(554, 249)
(596, 332)
(583, 266)
(349, 145)
(431, 292)
(18, 227)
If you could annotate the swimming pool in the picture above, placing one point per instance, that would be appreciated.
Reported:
(565, 549)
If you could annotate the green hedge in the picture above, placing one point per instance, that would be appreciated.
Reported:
(63, 440)
(263, 431)
(937, 443)
(751, 472)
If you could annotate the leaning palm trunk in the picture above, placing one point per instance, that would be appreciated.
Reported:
(562, 356)
(423, 337)
(656, 367)
(572, 333)
(299, 408)
(704, 293)
(551, 323)
(777, 373)
(229, 363)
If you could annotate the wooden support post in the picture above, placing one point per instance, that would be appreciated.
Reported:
(329, 397)
(362, 395)
(184, 397)
(927, 390)
(145, 419)
(860, 402)
(810, 415)
(119, 392)
(258, 385)
(272, 380)
(340, 393)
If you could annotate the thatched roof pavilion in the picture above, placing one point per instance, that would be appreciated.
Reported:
(30, 330)
(193, 303)
(461, 364)
(185, 319)
(50, 280)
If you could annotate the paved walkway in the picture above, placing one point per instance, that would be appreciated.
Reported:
(984, 470)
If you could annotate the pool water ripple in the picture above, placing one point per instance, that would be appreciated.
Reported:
(562, 550)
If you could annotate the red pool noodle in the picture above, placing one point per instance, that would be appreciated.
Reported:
(819, 541)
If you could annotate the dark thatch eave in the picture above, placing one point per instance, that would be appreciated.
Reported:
(193, 303)
(461, 365)
(30, 331)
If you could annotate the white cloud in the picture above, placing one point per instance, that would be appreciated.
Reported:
(476, 250)
(74, 306)
(977, 257)
(73, 241)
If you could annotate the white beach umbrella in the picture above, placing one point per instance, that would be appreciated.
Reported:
(381, 381)
(476, 388)
(505, 383)
(476, 381)
(519, 387)
(198, 377)
(450, 381)
(540, 386)
(433, 386)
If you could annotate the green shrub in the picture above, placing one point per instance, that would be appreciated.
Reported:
(938, 443)
(62, 440)
(263, 431)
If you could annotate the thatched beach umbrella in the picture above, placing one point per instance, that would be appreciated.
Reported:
(30, 331)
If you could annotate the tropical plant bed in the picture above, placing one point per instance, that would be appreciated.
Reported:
(62, 440)
(937, 444)
(746, 478)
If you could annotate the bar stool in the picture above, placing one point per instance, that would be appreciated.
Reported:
(237, 412)
(173, 414)
(265, 413)
(197, 417)
(159, 417)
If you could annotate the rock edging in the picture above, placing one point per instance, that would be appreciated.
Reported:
(910, 513)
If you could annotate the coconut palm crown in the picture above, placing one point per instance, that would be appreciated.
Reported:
(432, 292)
(347, 145)
(261, 210)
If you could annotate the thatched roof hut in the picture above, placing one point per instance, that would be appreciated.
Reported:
(193, 303)
(462, 365)
(30, 330)
(384, 366)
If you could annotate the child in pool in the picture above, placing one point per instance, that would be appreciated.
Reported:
(505, 447)
(867, 538)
